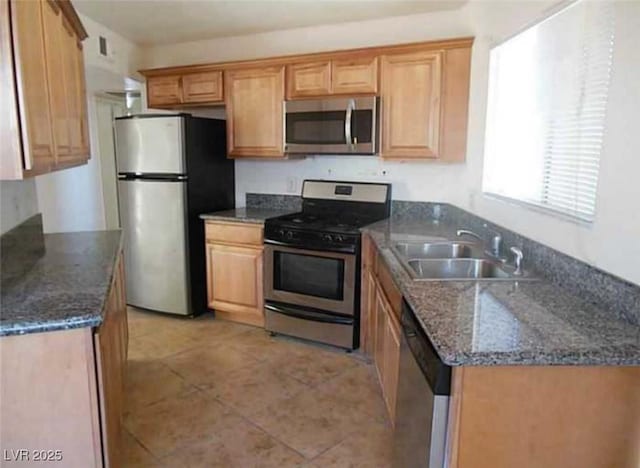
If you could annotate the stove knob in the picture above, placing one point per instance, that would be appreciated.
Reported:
(289, 235)
(339, 238)
(327, 238)
(281, 232)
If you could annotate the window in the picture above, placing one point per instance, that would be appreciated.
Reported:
(548, 88)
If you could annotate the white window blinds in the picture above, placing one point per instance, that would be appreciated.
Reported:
(548, 89)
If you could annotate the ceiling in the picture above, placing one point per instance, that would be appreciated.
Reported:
(154, 22)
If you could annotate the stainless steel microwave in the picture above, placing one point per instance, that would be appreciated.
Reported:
(332, 126)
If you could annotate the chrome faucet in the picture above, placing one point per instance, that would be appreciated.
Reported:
(496, 240)
(462, 232)
(518, 260)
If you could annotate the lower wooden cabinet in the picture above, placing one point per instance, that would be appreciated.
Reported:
(234, 272)
(111, 344)
(380, 325)
(63, 391)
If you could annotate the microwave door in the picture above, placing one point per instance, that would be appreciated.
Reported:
(317, 126)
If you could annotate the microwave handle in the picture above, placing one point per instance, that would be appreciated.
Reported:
(347, 122)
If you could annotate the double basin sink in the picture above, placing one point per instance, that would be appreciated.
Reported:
(453, 261)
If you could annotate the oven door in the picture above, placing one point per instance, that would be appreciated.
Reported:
(310, 278)
(331, 126)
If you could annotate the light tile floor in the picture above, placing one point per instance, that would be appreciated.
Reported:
(207, 393)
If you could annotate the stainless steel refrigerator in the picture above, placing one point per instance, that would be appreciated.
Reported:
(171, 168)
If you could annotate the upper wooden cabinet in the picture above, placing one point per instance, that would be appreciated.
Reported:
(423, 89)
(340, 76)
(202, 87)
(184, 89)
(308, 79)
(354, 76)
(45, 120)
(162, 90)
(254, 103)
(411, 104)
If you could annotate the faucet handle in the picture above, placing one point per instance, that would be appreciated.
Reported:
(517, 252)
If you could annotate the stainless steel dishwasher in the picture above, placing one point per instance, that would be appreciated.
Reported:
(423, 400)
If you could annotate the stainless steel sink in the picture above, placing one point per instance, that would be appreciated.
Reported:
(453, 261)
(457, 268)
(437, 250)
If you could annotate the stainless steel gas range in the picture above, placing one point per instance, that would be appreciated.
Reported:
(312, 261)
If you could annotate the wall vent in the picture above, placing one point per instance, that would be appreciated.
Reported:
(103, 46)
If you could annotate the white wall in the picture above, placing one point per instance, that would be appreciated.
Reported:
(489, 22)
(18, 202)
(72, 200)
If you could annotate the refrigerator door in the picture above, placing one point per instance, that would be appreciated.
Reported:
(150, 145)
(153, 219)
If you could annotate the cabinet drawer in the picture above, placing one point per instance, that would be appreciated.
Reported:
(234, 233)
(202, 87)
(389, 287)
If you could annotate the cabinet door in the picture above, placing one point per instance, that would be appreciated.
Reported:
(31, 79)
(255, 119)
(202, 87)
(391, 363)
(371, 315)
(111, 349)
(308, 79)
(163, 90)
(234, 283)
(353, 76)
(72, 84)
(55, 46)
(380, 336)
(410, 93)
(85, 145)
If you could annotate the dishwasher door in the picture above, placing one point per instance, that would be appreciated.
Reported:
(423, 400)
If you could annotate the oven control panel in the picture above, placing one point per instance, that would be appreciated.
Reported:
(312, 240)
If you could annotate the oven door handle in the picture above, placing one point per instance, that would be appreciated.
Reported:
(309, 315)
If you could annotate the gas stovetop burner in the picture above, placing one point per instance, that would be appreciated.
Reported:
(331, 217)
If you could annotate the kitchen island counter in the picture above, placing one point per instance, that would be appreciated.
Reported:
(55, 281)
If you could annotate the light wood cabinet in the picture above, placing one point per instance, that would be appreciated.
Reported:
(111, 343)
(202, 87)
(56, 56)
(234, 271)
(31, 80)
(163, 90)
(380, 325)
(340, 76)
(410, 94)
(355, 76)
(387, 350)
(425, 99)
(423, 90)
(309, 79)
(45, 88)
(64, 390)
(254, 105)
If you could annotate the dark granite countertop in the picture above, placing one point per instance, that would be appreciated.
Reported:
(55, 281)
(504, 322)
(246, 215)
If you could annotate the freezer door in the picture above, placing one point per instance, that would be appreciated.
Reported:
(153, 219)
(150, 145)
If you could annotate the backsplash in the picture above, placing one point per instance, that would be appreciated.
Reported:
(591, 284)
(269, 201)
